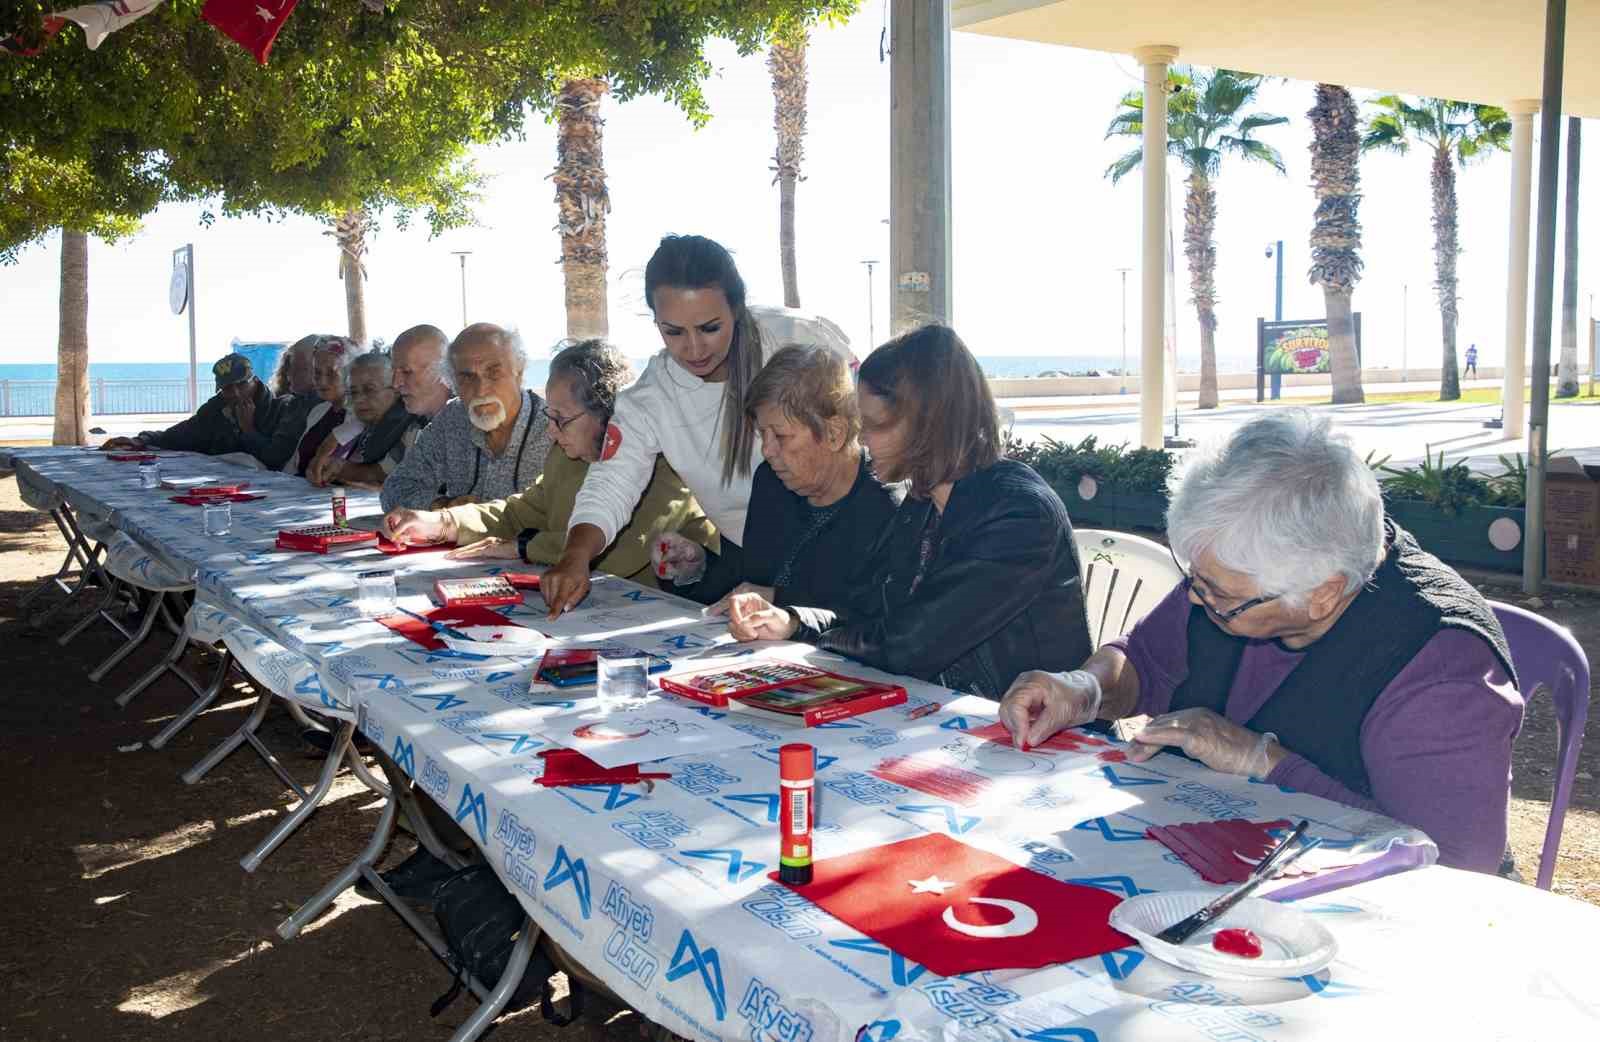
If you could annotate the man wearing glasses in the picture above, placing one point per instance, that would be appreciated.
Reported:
(1310, 644)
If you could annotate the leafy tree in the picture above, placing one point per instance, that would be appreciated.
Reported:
(359, 111)
(1205, 124)
(1454, 131)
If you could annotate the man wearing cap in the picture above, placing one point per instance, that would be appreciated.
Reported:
(242, 413)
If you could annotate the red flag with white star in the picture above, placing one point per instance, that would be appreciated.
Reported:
(957, 909)
(253, 23)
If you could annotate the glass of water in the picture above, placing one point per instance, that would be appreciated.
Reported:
(622, 682)
(149, 474)
(219, 516)
(375, 593)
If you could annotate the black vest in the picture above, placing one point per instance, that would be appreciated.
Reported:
(1318, 710)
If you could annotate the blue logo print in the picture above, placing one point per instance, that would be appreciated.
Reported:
(690, 959)
(738, 868)
(404, 756)
(957, 824)
(519, 742)
(900, 969)
(1127, 783)
(565, 868)
(771, 802)
(472, 804)
(1111, 835)
(615, 797)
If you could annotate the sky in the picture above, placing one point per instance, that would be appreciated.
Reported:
(1038, 230)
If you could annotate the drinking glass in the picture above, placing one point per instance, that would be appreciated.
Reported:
(375, 593)
(149, 475)
(621, 682)
(219, 516)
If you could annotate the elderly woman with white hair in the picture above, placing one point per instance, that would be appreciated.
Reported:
(1311, 644)
(374, 428)
(489, 442)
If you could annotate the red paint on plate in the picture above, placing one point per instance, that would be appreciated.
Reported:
(1243, 943)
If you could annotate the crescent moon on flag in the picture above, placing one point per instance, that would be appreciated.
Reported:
(1024, 920)
(600, 733)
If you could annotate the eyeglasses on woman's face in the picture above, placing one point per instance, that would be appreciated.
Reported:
(560, 422)
(1198, 588)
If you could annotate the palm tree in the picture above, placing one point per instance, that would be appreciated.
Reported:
(1454, 130)
(350, 230)
(1204, 124)
(787, 63)
(1336, 233)
(581, 195)
(1567, 371)
(72, 349)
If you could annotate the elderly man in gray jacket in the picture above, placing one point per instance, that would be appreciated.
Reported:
(490, 441)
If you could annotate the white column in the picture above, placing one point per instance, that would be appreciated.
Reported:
(1153, 246)
(919, 164)
(1516, 409)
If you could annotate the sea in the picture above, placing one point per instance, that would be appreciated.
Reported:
(994, 366)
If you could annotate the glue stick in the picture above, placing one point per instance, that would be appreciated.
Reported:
(797, 777)
(340, 520)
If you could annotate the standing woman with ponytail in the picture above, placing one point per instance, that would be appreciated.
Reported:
(688, 407)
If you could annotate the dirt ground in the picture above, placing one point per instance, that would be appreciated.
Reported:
(131, 918)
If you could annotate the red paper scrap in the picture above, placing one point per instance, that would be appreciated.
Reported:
(1221, 851)
(419, 632)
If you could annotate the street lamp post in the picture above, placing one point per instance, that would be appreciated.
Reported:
(1276, 250)
(463, 254)
(1405, 330)
(872, 336)
(1124, 273)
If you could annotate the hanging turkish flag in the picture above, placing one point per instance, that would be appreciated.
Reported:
(253, 23)
(957, 909)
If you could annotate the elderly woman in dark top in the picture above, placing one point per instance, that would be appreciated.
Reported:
(815, 509)
(975, 579)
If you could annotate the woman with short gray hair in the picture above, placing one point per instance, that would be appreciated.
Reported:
(1311, 644)
(580, 394)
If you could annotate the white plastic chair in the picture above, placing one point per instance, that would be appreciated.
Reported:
(1124, 576)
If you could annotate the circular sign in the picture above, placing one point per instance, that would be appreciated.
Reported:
(178, 288)
(1088, 488)
(1504, 533)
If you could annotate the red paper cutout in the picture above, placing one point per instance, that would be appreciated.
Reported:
(419, 632)
(993, 915)
(1218, 849)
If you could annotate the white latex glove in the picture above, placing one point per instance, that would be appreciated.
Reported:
(1215, 741)
(419, 527)
(680, 560)
(1039, 704)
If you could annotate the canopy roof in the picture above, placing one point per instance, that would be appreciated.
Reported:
(1488, 51)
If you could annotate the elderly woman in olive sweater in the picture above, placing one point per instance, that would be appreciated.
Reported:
(532, 524)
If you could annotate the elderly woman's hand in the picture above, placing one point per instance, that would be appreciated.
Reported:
(492, 547)
(1039, 704)
(1215, 741)
(753, 617)
(419, 527)
(677, 559)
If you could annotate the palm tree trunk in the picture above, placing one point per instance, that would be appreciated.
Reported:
(350, 230)
(1567, 378)
(1445, 251)
(583, 202)
(1336, 231)
(1199, 227)
(72, 348)
(787, 63)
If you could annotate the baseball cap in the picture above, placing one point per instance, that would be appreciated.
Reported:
(231, 369)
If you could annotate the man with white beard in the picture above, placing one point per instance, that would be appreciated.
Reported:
(488, 442)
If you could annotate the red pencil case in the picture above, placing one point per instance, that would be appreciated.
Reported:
(320, 539)
(485, 592)
(236, 497)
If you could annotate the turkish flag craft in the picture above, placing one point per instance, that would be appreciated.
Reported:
(957, 909)
(254, 24)
(1221, 851)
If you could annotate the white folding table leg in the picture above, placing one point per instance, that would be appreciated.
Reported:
(72, 565)
(308, 801)
(168, 663)
(151, 613)
(496, 1000)
(100, 611)
(246, 732)
(318, 902)
(199, 705)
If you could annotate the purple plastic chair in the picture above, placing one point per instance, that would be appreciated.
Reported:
(1546, 656)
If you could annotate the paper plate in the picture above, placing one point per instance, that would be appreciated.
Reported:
(1293, 944)
(496, 640)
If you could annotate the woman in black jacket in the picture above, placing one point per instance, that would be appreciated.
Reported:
(976, 579)
(816, 508)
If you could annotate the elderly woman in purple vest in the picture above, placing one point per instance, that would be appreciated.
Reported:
(1312, 644)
